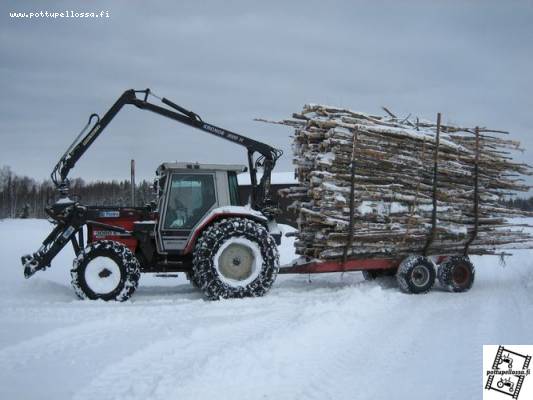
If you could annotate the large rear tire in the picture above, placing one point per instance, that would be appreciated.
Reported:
(234, 258)
(105, 270)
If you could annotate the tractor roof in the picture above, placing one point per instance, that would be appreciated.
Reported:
(170, 166)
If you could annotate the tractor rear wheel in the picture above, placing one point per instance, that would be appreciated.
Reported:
(235, 257)
(456, 274)
(105, 270)
(416, 274)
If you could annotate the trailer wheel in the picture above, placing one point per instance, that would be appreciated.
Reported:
(235, 258)
(416, 274)
(457, 274)
(105, 270)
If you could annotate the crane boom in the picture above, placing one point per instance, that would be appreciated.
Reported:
(260, 193)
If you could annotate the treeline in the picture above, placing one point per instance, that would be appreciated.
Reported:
(525, 204)
(24, 197)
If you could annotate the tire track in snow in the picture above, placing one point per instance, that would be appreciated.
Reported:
(197, 347)
(85, 349)
(222, 359)
(85, 335)
(161, 362)
(313, 352)
(91, 334)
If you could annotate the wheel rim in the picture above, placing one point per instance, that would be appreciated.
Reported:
(420, 276)
(461, 275)
(238, 261)
(102, 275)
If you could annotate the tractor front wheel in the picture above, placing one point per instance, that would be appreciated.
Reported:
(235, 257)
(105, 270)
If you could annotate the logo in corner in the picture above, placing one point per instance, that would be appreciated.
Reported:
(507, 372)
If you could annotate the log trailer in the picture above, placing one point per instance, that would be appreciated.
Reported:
(195, 226)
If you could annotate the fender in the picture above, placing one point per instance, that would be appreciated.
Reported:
(220, 213)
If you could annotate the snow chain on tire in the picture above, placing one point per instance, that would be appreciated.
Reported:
(456, 274)
(127, 265)
(209, 277)
(192, 280)
(416, 274)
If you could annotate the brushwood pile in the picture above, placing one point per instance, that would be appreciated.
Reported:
(368, 186)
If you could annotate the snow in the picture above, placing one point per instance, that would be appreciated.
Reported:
(325, 158)
(238, 210)
(330, 336)
(339, 198)
(276, 178)
(102, 284)
(64, 200)
(381, 207)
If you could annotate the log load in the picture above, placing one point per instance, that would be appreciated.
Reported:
(381, 186)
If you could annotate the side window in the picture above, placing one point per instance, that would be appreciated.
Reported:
(233, 185)
(191, 197)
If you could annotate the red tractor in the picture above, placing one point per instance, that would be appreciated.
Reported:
(196, 225)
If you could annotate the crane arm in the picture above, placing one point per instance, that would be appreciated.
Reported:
(266, 160)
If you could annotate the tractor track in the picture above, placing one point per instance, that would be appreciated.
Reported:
(291, 338)
(177, 357)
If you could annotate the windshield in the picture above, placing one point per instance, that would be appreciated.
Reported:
(191, 197)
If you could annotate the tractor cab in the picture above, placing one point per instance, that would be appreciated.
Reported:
(187, 193)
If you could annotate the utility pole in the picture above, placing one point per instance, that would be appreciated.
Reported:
(133, 183)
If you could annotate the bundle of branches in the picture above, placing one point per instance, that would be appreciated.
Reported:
(374, 186)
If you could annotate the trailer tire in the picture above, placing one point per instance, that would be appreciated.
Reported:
(456, 274)
(416, 274)
(235, 258)
(105, 270)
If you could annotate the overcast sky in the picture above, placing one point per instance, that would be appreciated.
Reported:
(233, 61)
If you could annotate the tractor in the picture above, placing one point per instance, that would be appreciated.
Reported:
(194, 226)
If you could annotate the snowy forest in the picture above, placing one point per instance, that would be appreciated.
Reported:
(22, 196)
(25, 197)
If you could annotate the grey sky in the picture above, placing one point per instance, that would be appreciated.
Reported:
(233, 61)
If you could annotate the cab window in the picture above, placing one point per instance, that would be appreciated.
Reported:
(191, 197)
(233, 185)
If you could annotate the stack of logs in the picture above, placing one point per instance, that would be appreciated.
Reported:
(374, 186)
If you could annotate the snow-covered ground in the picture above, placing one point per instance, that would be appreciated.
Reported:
(329, 336)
